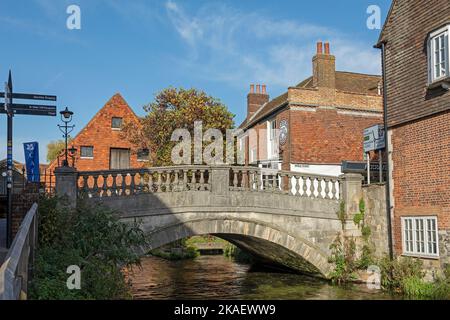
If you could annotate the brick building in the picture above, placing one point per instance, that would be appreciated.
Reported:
(100, 144)
(319, 122)
(416, 45)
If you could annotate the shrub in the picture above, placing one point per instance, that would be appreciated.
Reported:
(343, 256)
(91, 237)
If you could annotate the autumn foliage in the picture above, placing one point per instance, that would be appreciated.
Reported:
(176, 109)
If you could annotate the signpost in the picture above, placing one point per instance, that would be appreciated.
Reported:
(32, 109)
(374, 141)
(11, 109)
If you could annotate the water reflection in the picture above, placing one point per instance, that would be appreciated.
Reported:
(216, 277)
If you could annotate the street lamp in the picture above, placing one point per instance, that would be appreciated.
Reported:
(66, 118)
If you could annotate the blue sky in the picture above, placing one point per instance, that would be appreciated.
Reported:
(138, 47)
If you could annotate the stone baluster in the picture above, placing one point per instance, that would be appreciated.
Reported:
(327, 188)
(141, 181)
(202, 180)
(95, 189)
(150, 182)
(132, 183)
(114, 185)
(185, 180)
(176, 182)
(334, 194)
(124, 184)
(85, 184)
(289, 190)
(235, 179)
(105, 185)
(305, 186)
(159, 181)
(319, 188)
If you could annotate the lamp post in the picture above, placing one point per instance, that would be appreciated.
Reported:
(66, 129)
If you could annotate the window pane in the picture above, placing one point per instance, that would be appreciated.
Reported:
(143, 154)
(87, 152)
(420, 245)
(116, 123)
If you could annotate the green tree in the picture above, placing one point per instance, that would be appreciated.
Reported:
(176, 109)
(55, 148)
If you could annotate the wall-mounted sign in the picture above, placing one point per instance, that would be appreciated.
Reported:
(374, 138)
(283, 131)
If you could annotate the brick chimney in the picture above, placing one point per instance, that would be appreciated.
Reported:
(324, 67)
(255, 99)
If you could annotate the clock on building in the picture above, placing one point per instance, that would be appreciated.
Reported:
(283, 131)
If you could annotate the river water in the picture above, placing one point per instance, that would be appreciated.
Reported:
(217, 277)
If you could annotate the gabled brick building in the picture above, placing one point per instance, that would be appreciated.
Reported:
(320, 121)
(415, 39)
(100, 144)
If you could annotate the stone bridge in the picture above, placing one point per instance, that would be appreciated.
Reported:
(284, 217)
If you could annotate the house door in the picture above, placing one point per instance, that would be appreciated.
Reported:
(119, 158)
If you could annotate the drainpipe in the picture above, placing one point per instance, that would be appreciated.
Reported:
(386, 141)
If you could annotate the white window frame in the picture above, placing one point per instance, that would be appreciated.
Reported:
(445, 31)
(272, 145)
(410, 242)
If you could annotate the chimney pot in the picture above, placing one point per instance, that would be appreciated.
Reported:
(258, 88)
(327, 48)
(252, 88)
(264, 89)
(319, 47)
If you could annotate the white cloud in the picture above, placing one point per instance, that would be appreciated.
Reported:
(241, 48)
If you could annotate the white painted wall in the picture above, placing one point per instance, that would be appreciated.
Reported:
(321, 169)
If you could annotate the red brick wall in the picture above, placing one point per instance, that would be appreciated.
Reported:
(421, 171)
(99, 134)
(327, 137)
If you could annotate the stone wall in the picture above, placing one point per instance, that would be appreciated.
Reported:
(376, 217)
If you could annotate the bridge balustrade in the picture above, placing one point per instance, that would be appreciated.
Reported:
(295, 184)
(111, 183)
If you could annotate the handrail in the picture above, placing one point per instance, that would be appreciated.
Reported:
(14, 272)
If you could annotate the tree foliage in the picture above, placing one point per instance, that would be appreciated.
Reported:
(55, 148)
(91, 237)
(176, 109)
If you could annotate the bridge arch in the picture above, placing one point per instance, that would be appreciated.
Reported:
(264, 240)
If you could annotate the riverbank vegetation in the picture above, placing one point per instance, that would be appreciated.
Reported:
(184, 253)
(402, 275)
(238, 255)
(405, 276)
(89, 237)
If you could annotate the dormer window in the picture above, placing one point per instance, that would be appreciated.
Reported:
(438, 55)
(116, 123)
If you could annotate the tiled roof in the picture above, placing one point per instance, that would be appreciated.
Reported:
(351, 82)
(345, 81)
